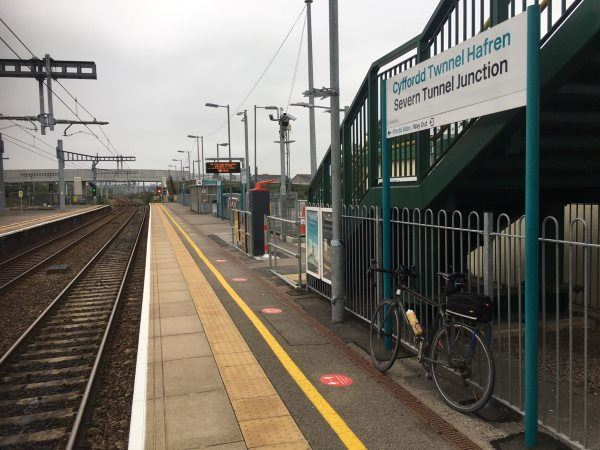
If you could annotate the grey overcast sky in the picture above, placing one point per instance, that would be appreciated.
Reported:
(159, 62)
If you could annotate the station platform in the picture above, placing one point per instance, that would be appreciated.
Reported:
(226, 361)
(16, 220)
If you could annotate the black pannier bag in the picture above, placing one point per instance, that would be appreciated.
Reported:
(475, 308)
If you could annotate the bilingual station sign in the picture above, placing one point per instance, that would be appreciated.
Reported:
(223, 167)
(483, 75)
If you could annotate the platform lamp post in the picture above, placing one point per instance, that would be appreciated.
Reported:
(174, 166)
(214, 105)
(220, 145)
(189, 166)
(275, 108)
(199, 139)
(180, 174)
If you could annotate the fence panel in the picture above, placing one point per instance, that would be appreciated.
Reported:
(279, 246)
(491, 250)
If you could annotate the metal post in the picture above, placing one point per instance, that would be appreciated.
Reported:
(338, 284)
(385, 195)
(189, 167)
(202, 162)
(488, 255)
(299, 238)
(247, 168)
(49, 86)
(311, 100)
(42, 108)
(282, 182)
(532, 196)
(61, 175)
(229, 143)
(2, 198)
(255, 160)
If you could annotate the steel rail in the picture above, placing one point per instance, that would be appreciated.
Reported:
(61, 250)
(63, 292)
(100, 354)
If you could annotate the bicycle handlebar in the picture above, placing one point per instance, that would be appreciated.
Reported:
(456, 279)
(401, 271)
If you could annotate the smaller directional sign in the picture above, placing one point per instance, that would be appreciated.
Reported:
(223, 167)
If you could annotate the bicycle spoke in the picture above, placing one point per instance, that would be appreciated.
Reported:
(463, 373)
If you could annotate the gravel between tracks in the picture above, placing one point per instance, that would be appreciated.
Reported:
(22, 303)
(107, 424)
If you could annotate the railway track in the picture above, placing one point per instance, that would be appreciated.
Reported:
(20, 265)
(46, 377)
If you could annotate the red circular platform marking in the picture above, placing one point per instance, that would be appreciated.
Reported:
(271, 311)
(220, 260)
(239, 279)
(335, 379)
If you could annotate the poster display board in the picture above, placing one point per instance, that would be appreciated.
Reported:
(326, 237)
(313, 254)
(318, 242)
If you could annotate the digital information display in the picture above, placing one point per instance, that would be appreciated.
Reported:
(223, 167)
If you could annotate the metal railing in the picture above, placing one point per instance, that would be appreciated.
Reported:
(492, 250)
(414, 155)
(278, 230)
(183, 199)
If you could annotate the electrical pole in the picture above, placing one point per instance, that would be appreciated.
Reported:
(229, 144)
(201, 163)
(282, 185)
(311, 100)
(338, 282)
(2, 198)
(255, 160)
(61, 175)
(244, 115)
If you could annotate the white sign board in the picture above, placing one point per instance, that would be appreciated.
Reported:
(483, 75)
(77, 186)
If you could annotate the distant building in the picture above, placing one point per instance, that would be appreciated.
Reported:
(302, 179)
(265, 177)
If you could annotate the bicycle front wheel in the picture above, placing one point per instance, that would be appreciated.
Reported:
(462, 367)
(384, 335)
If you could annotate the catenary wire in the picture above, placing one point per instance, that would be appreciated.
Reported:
(296, 65)
(255, 85)
(53, 156)
(67, 91)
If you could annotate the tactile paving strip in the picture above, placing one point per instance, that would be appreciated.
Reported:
(242, 376)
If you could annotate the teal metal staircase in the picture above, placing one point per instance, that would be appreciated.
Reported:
(479, 164)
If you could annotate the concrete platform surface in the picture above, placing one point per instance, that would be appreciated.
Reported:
(15, 220)
(233, 376)
(204, 385)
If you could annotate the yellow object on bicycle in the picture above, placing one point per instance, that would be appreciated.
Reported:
(414, 322)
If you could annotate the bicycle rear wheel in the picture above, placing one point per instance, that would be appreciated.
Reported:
(384, 335)
(462, 367)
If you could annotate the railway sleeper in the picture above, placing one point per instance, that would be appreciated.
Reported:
(40, 437)
(45, 352)
(70, 341)
(45, 374)
(67, 335)
(49, 363)
(29, 387)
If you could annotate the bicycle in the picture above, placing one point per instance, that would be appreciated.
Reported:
(458, 358)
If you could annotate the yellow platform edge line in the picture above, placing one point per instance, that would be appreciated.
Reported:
(335, 421)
